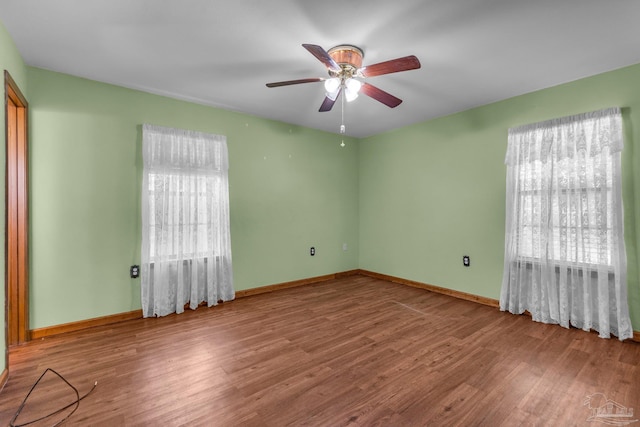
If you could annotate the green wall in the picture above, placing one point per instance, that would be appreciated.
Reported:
(10, 61)
(408, 203)
(290, 188)
(435, 191)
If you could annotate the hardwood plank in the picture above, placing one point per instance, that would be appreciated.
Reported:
(356, 350)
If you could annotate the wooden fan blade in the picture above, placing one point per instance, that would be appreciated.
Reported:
(323, 56)
(393, 66)
(327, 104)
(295, 82)
(380, 95)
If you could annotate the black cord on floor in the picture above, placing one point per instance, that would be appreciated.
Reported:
(75, 402)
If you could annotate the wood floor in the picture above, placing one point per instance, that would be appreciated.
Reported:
(353, 351)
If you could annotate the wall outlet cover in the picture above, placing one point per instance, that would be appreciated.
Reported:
(134, 271)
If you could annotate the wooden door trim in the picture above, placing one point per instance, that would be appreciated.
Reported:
(13, 91)
(16, 215)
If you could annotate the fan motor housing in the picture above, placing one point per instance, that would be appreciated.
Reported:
(348, 57)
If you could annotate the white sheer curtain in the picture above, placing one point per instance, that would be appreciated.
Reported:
(565, 259)
(186, 243)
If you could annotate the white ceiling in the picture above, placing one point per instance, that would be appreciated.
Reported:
(222, 53)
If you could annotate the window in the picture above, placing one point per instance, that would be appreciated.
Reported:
(182, 232)
(186, 242)
(577, 206)
(565, 260)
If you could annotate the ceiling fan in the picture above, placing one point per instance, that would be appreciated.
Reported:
(344, 64)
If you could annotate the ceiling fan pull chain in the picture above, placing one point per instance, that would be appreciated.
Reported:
(342, 128)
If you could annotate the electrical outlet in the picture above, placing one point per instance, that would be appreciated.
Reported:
(466, 260)
(312, 251)
(134, 272)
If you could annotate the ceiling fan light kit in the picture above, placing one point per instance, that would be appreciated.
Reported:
(332, 87)
(344, 66)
